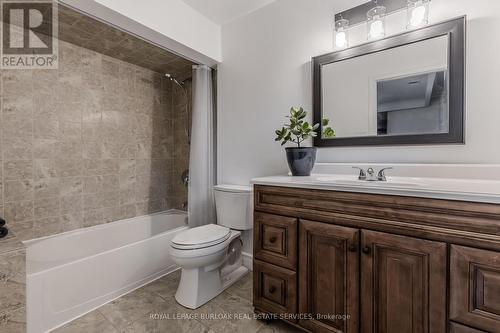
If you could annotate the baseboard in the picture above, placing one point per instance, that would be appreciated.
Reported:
(247, 260)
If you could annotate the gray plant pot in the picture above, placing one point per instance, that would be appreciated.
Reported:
(301, 160)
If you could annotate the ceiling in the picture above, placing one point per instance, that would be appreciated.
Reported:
(84, 31)
(225, 11)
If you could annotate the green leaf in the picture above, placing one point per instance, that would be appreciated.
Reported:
(328, 132)
(325, 121)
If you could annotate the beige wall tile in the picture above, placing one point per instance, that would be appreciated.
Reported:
(15, 170)
(69, 167)
(70, 186)
(45, 168)
(47, 188)
(18, 190)
(45, 149)
(92, 217)
(18, 211)
(72, 204)
(22, 230)
(47, 207)
(47, 226)
(46, 127)
(17, 148)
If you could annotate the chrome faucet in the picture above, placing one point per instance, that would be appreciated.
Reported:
(381, 174)
(369, 174)
(362, 173)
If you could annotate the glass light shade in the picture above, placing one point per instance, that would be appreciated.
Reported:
(341, 33)
(376, 22)
(418, 13)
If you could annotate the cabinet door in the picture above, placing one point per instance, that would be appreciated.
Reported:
(403, 284)
(328, 277)
(475, 288)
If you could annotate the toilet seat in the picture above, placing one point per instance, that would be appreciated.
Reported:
(201, 237)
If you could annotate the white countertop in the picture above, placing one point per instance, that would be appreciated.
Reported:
(475, 190)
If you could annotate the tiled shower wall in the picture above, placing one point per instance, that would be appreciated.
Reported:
(95, 141)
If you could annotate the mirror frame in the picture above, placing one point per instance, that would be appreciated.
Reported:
(455, 30)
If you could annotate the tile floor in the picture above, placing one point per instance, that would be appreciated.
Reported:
(152, 309)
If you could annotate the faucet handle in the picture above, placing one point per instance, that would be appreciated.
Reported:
(381, 174)
(362, 173)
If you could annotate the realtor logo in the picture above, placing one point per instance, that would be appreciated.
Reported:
(29, 34)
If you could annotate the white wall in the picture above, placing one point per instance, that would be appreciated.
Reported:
(174, 19)
(266, 69)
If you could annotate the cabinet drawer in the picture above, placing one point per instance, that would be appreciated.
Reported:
(457, 328)
(275, 239)
(475, 288)
(274, 288)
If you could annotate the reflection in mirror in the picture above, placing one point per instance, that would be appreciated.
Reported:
(414, 104)
(397, 91)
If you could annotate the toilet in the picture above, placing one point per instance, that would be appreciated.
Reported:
(210, 255)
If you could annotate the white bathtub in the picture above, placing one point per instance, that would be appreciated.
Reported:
(73, 273)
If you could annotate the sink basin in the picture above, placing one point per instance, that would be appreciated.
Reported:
(335, 180)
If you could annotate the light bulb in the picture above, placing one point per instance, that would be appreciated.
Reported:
(417, 13)
(377, 29)
(341, 33)
(376, 22)
(417, 16)
(341, 39)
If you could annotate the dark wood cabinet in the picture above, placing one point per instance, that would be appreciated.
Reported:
(351, 262)
(403, 284)
(328, 277)
(475, 288)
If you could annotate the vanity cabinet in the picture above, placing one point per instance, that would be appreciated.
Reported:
(329, 261)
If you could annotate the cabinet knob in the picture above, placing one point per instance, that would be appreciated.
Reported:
(367, 250)
(273, 239)
(352, 248)
(272, 290)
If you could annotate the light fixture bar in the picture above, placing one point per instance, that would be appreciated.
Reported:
(357, 14)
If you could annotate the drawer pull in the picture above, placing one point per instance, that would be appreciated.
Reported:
(272, 240)
(352, 248)
(367, 250)
(272, 290)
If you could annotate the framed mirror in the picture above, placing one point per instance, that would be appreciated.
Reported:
(406, 89)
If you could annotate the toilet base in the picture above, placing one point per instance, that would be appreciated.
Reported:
(197, 287)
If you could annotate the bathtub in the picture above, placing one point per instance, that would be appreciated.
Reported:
(73, 273)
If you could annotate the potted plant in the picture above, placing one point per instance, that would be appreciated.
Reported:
(301, 159)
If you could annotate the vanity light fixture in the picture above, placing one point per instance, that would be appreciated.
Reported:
(341, 33)
(376, 21)
(418, 13)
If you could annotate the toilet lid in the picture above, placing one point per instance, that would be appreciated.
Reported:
(199, 237)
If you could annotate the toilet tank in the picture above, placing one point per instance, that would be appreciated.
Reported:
(234, 205)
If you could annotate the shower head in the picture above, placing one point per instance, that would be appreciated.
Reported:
(173, 79)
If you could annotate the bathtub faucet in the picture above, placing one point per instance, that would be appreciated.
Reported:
(3, 229)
